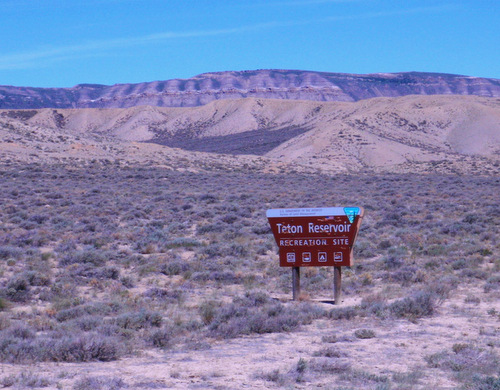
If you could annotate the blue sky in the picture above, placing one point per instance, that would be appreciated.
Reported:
(61, 43)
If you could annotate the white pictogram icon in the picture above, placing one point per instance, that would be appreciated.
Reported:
(290, 257)
(337, 256)
(322, 257)
(306, 257)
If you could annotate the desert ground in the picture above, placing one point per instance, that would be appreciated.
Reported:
(148, 263)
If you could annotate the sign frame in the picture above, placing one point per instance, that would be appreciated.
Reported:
(316, 237)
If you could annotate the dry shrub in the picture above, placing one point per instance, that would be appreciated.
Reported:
(421, 304)
(256, 312)
(99, 383)
(329, 366)
(465, 359)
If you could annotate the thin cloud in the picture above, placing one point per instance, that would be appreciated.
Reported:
(48, 55)
(380, 14)
(292, 3)
(48, 4)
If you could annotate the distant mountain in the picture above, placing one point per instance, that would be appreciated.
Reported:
(273, 84)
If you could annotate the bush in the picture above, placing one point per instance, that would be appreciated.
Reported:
(35, 278)
(139, 320)
(364, 250)
(99, 383)
(343, 313)
(408, 275)
(52, 347)
(85, 348)
(10, 252)
(331, 352)
(175, 267)
(127, 281)
(21, 332)
(364, 334)
(183, 242)
(256, 312)
(273, 376)
(392, 262)
(227, 277)
(88, 322)
(88, 256)
(492, 283)
(24, 380)
(466, 359)
(485, 382)
(160, 338)
(90, 271)
(17, 290)
(329, 366)
(208, 310)
(374, 304)
(442, 287)
(164, 294)
(71, 313)
(421, 304)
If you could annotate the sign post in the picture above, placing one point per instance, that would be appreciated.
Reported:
(315, 237)
(295, 283)
(337, 284)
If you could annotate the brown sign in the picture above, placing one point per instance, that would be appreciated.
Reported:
(317, 236)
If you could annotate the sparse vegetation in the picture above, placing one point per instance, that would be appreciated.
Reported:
(98, 263)
(470, 364)
(364, 333)
(98, 383)
(25, 380)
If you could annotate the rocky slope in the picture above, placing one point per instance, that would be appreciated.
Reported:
(272, 84)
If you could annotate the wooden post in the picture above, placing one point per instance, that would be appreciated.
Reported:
(296, 282)
(337, 284)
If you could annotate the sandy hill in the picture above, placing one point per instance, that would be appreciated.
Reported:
(411, 133)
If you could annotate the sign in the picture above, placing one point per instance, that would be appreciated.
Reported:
(315, 236)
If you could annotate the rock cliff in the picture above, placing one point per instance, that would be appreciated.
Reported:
(272, 84)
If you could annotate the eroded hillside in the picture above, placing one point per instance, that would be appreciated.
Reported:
(405, 134)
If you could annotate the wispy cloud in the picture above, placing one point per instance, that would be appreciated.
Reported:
(292, 3)
(47, 55)
(50, 4)
(402, 12)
